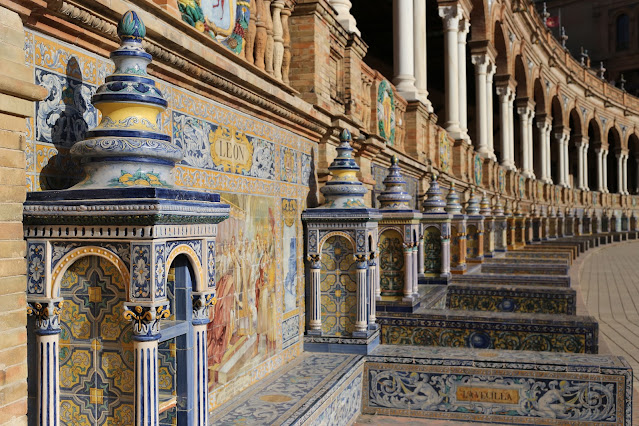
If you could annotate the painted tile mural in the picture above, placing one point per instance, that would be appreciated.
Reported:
(262, 170)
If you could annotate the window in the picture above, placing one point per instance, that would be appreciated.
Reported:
(623, 32)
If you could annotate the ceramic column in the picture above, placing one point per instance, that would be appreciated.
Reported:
(47, 321)
(464, 27)
(201, 304)
(420, 255)
(403, 49)
(362, 309)
(445, 239)
(372, 288)
(451, 16)
(419, 29)
(378, 288)
(506, 96)
(415, 276)
(481, 63)
(146, 334)
(489, 107)
(315, 321)
(408, 271)
(344, 16)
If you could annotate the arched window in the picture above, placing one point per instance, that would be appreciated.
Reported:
(623, 32)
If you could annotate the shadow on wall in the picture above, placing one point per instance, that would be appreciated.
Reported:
(63, 119)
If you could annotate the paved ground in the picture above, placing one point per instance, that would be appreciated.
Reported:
(609, 287)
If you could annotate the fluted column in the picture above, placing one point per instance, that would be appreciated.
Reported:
(490, 73)
(464, 28)
(315, 320)
(403, 49)
(202, 301)
(506, 97)
(408, 272)
(146, 335)
(344, 16)
(278, 39)
(419, 49)
(47, 322)
(451, 16)
(362, 308)
(481, 63)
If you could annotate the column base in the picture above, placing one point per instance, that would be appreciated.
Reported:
(345, 345)
(528, 174)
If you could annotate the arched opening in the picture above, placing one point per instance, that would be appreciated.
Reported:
(614, 149)
(96, 348)
(633, 169)
(391, 263)
(622, 33)
(594, 136)
(338, 287)
(522, 99)
(573, 147)
(540, 117)
(557, 121)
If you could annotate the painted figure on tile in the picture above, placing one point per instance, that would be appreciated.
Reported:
(289, 252)
(386, 112)
(391, 261)
(444, 152)
(242, 329)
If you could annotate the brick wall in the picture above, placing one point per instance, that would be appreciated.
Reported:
(17, 94)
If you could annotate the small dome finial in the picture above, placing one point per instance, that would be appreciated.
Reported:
(131, 27)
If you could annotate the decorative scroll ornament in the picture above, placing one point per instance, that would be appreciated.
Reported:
(201, 304)
(47, 315)
(146, 320)
(394, 197)
(128, 147)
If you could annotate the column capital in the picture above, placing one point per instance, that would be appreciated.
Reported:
(544, 121)
(146, 319)
(202, 301)
(464, 29)
(46, 313)
(561, 132)
(481, 62)
(451, 15)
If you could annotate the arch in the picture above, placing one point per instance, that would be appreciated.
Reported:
(539, 97)
(557, 113)
(478, 19)
(77, 254)
(391, 262)
(594, 137)
(333, 234)
(521, 76)
(576, 129)
(502, 60)
(195, 264)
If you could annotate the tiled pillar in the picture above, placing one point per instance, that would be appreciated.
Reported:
(201, 304)
(315, 321)
(408, 272)
(146, 335)
(451, 16)
(47, 320)
(403, 50)
(362, 307)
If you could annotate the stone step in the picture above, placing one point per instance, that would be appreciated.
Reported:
(515, 280)
(527, 268)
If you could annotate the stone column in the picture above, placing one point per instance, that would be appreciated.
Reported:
(403, 50)
(419, 29)
(344, 16)
(604, 163)
(543, 124)
(201, 304)
(315, 319)
(408, 272)
(451, 16)
(506, 97)
(526, 115)
(585, 175)
(362, 305)
(490, 73)
(146, 334)
(580, 142)
(620, 157)
(47, 322)
(567, 160)
(562, 134)
(625, 173)
(548, 151)
(481, 63)
(600, 181)
(278, 39)
(464, 28)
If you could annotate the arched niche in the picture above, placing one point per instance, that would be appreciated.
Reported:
(391, 261)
